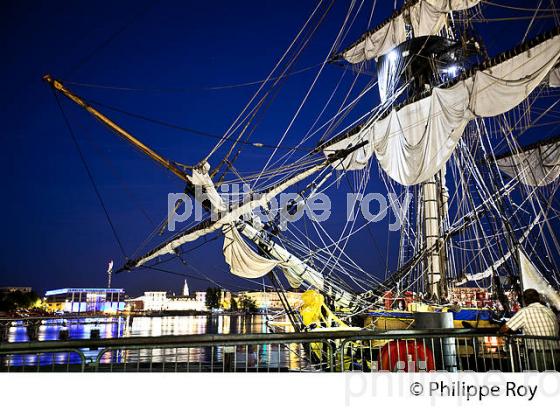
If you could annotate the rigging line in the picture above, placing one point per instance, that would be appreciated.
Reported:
(343, 254)
(111, 166)
(269, 97)
(190, 89)
(345, 110)
(499, 205)
(89, 173)
(288, 154)
(361, 188)
(532, 21)
(321, 255)
(112, 37)
(187, 129)
(330, 122)
(316, 252)
(501, 19)
(273, 172)
(312, 86)
(187, 275)
(302, 30)
(491, 3)
(354, 208)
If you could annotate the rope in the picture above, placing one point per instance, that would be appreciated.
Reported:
(89, 173)
(190, 130)
(532, 21)
(110, 39)
(504, 6)
(232, 129)
(188, 89)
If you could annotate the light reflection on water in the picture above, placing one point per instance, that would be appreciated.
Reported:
(262, 356)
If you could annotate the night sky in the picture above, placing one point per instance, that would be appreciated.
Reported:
(55, 233)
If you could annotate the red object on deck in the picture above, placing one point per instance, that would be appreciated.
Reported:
(408, 297)
(412, 355)
(388, 300)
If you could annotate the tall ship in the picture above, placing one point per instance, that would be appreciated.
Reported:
(463, 142)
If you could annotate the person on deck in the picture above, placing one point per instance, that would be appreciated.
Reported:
(536, 319)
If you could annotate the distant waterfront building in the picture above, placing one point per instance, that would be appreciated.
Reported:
(160, 301)
(12, 289)
(77, 300)
(271, 300)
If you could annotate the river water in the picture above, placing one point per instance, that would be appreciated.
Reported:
(145, 326)
(268, 356)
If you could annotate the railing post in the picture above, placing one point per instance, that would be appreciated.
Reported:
(229, 359)
(5, 331)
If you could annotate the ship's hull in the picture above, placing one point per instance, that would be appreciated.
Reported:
(399, 320)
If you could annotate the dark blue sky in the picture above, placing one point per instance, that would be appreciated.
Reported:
(55, 233)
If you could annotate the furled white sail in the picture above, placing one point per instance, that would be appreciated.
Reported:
(246, 263)
(531, 278)
(242, 260)
(539, 166)
(360, 157)
(379, 42)
(427, 17)
(296, 270)
(233, 216)
(503, 86)
(292, 278)
(202, 180)
(553, 79)
(414, 142)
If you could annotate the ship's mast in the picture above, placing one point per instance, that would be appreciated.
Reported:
(58, 86)
(434, 207)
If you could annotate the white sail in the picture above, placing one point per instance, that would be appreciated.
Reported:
(298, 271)
(379, 42)
(427, 17)
(539, 166)
(414, 142)
(201, 179)
(246, 263)
(531, 278)
(553, 79)
(233, 216)
(242, 260)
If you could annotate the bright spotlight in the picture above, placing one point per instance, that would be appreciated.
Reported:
(452, 70)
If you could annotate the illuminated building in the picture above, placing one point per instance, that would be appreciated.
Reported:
(271, 300)
(12, 289)
(77, 300)
(160, 301)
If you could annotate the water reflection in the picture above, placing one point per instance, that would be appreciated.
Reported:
(261, 357)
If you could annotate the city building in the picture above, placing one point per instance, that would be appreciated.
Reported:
(12, 289)
(161, 301)
(271, 300)
(77, 300)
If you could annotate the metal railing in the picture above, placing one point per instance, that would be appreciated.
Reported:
(409, 351)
